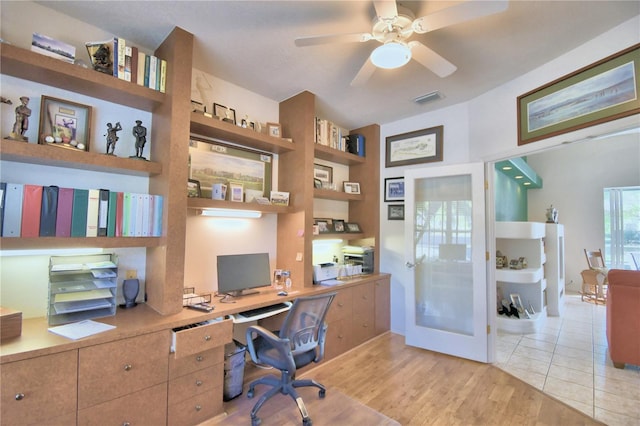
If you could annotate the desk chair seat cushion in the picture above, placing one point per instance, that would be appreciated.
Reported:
(271, 355)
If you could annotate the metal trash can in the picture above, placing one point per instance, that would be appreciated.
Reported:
(233, 369)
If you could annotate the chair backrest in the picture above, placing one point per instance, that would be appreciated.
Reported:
(594, 258)
(304, 322)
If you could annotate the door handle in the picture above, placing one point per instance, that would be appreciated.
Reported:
(410, 265)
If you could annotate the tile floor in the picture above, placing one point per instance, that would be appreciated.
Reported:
(568, 359)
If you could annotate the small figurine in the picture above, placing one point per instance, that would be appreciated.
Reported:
(22, 120)
(112, 137)
(140, 132)
(552, 214)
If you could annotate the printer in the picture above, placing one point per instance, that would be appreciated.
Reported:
(359, 255)
(324, 273)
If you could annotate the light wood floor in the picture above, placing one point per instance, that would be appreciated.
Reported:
(418, 387)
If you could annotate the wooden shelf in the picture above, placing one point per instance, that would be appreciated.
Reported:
(227, 132)
(32, 153)
(61, 242)
(341, 235)
(337, 156)
(327, 194)
(204, 203)
(28, 65)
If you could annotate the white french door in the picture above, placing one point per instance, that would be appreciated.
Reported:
(446, 296)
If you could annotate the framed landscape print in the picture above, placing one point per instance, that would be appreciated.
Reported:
(421, 146)
(601, 92)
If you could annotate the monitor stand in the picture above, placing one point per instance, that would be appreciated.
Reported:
(230, 296)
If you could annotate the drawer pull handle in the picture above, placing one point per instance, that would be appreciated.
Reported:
(19, 396)
(198, 382)
(128, 367)
(199, 358)
(126, 424)
(198, 407)
(207, 338)
(340, 304)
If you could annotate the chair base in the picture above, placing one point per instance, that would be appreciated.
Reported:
(285, 386)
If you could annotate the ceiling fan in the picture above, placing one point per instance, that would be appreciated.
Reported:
(394, 25)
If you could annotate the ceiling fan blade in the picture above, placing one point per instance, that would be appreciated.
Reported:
(431, 60)
(333, 38)
(364, 74)
(459, 13)
(385, 8)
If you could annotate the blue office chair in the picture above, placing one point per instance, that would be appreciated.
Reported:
(298, 343)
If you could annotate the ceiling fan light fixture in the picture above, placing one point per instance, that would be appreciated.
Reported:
(391, 55)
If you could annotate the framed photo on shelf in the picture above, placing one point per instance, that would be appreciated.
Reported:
(317, 183)
(600, 92)
(323, 173)
(420, 146)
(224, 113)
(394, 189)
(353, 227)
(274, 129)
(338, 225)
(64, 121)
(279, 198)
(395, 212)
(237, 193)
(324, 226)
(352, 187)
(217, 163)
(193, 189)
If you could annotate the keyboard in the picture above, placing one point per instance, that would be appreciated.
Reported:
(259, 313)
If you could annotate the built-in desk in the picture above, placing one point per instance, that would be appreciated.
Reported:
(143, 337)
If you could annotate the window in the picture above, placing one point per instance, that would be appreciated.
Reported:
(621, 226)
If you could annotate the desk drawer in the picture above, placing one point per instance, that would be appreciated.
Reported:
(146, 407)
(341, 306)
(196, 409)
(189, 364)
(37, 390)
(188, 386)
(190, 341)
(114, 369)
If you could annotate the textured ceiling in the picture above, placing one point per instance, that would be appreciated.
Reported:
(251, 44)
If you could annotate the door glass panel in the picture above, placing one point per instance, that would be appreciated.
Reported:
(443, 272)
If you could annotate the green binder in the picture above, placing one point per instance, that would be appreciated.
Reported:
(79, 213)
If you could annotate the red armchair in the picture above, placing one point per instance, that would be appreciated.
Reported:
(623, 317)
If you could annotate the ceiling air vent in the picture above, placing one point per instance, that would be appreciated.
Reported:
(429, 97)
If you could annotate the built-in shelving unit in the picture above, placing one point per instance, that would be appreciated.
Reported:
(554, 268)
(204, 203)
(516, 240)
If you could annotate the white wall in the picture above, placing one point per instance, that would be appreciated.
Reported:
(486, 131)
(574, 177)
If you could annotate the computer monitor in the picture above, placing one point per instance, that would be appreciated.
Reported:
(240, 274)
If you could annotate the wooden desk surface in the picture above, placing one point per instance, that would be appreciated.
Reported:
(36, 340)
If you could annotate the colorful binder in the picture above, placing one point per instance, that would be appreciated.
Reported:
(13, 210)
(112, 214)
(31, 204)
(63, 216)
(49, 211)
(92, 212)
(103, 212)
(79, 213)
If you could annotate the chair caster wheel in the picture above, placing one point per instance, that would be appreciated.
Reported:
(250, 394)
(255, 421)
(307, 422)
(322, 393)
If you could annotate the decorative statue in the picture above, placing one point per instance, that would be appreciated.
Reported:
(140, 132)
(102, 60)
(22, 120)
(112, 137)
(552, 214)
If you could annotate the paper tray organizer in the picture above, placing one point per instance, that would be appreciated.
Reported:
(190, 297)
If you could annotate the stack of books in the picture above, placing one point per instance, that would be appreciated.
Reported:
(126, 62)
(331, 135)
(49, 211)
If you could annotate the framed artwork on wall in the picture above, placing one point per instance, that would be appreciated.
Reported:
(421, 146)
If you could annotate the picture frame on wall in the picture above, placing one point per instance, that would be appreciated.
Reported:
(603, 91)
(395, 212)
(212, 162)
(420, 146)
(323, 173)
(274, 130)
(68, 123)
(394, 189)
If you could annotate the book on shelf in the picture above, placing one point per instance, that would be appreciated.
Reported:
(103, 212)
(330, 134)
(13, 210)
(153, 72)
(31, 206)
(128, 52)
(3, 190)
(49, 211)
(120, 58)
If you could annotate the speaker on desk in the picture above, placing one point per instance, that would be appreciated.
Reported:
(130, 289)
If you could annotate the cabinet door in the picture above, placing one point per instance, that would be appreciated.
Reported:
(122, 367)
(363, 313)
(338, 338)
(383, 305)
(39, 390)
(144, 407)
